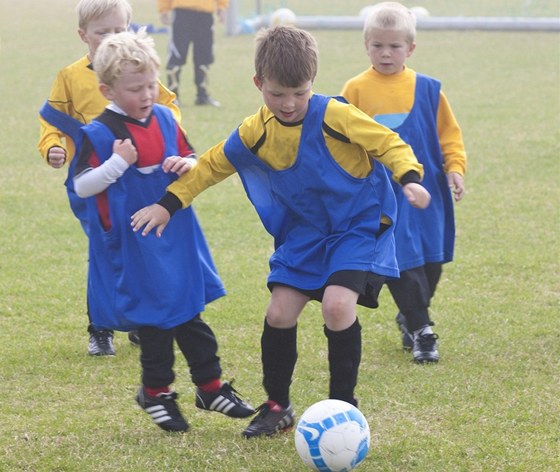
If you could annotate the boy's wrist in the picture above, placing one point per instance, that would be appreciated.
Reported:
(410, 177)
(170, 202)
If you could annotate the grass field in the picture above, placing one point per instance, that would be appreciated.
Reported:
(491, 404)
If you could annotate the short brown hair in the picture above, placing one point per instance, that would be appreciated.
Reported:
(286, 54)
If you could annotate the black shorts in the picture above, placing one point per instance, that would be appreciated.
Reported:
(366, 284)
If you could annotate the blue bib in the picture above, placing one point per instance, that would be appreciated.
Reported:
(137, 280)
(71, 127)
(323, 220)
(428, 235)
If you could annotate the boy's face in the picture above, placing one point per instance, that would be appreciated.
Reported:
(388, 50)
(289, 104)
(134, 92)
(111, 22)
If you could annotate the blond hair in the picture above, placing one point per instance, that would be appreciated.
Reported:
(124, 51)
(391, 16)
(89, 10)
(286, 54)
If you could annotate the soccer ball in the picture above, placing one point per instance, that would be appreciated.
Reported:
(283, 17)
(332, 436)
(365, 12)
(420, 12)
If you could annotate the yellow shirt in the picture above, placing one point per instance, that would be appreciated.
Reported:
(379, 94)
(367, 140)
(208, 6)
(76, 93)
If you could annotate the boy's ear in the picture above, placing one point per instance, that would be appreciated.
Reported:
(82, 35)
(106, 91)
(257, 82)
(411, 48)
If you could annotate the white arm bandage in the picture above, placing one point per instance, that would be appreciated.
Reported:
(95, 180)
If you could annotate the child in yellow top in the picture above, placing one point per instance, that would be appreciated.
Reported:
(414, 106)
(192, 25)
(311, 166)
(75, 100)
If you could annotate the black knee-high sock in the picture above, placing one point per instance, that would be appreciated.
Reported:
(345, 353)
(279, 356)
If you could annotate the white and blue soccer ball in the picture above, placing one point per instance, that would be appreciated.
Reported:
(332, 436)
(283, 17)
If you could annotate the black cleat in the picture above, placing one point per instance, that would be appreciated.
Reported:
(101, 343)
(425, 348)
(224, 401)
(164, 410)
(270, 421)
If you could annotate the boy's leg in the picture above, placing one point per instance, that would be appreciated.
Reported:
(345, 352)
(156, 356)
(278, 355)
(100, 339)
(411, 293)
(203, 57)
(433, 272)
(197, 342)
(155, 396)
(343, 332)
(412, 297)
(279, 342)
(178, 48)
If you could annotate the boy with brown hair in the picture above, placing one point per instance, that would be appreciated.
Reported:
(312, 167)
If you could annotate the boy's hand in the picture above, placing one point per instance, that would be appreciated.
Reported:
(153, 216)
(456, 184)
(416, 195)
(126, 150)
(56, 157)
(179, 165)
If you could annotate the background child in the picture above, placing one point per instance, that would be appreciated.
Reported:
(414, 106)
(75, 100)
(158, 287)
(306, 164)
(192, 23)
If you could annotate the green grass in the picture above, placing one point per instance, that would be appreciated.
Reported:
(491, 404)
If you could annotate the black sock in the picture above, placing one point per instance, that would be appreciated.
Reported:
(279, 356)
(345, 353)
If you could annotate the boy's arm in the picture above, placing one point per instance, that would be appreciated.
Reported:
(49, 138)
(452, 148)
(450, 139)
(212, 167)
(93, 180)
(55, 145)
